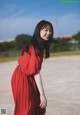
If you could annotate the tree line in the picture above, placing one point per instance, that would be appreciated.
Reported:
(57, 44)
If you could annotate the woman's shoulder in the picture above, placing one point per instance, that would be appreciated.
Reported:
(31, 48)
(34, 50)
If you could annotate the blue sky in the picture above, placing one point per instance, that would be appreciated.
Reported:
(21, 16)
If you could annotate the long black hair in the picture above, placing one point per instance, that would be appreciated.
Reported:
(39, 43)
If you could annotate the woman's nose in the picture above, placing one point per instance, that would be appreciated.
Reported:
(49, 32)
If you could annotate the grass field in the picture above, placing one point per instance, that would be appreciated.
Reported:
(67, 53)
(6, 59)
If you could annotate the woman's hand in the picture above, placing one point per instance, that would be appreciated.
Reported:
(43, 101)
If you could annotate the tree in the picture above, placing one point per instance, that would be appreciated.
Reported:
(22, 40)
(77, 36)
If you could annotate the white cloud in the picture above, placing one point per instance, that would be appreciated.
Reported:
(14, 26)
(68, 24)
(14, 23)
(10, 11)
(16, 14)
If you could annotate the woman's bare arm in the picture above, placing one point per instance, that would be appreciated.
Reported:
(39, 84)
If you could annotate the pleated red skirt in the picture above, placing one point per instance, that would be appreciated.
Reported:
(26, 94)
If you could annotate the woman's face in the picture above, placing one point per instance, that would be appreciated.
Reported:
(45, 33)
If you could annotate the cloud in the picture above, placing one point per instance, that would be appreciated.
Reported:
(14, 21)
(68, 24)
(18, 13)
(13, 26)
(10, 11)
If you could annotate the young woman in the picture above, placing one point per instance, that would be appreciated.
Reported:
(27, 87)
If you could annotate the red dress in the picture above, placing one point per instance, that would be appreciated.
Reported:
(25, 91)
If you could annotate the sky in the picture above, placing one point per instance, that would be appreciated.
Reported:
(21, 16)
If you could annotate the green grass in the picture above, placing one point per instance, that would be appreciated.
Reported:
(57, 54)
(6, 59)
(66, 53)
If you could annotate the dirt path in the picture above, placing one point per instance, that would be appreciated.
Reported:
(61, 80)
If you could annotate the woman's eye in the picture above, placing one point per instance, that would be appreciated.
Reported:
(50, 32)
(45, 30)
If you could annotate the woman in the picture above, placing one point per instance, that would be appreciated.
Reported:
(27, 87)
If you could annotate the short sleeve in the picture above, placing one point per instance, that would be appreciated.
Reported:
(30, 64)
